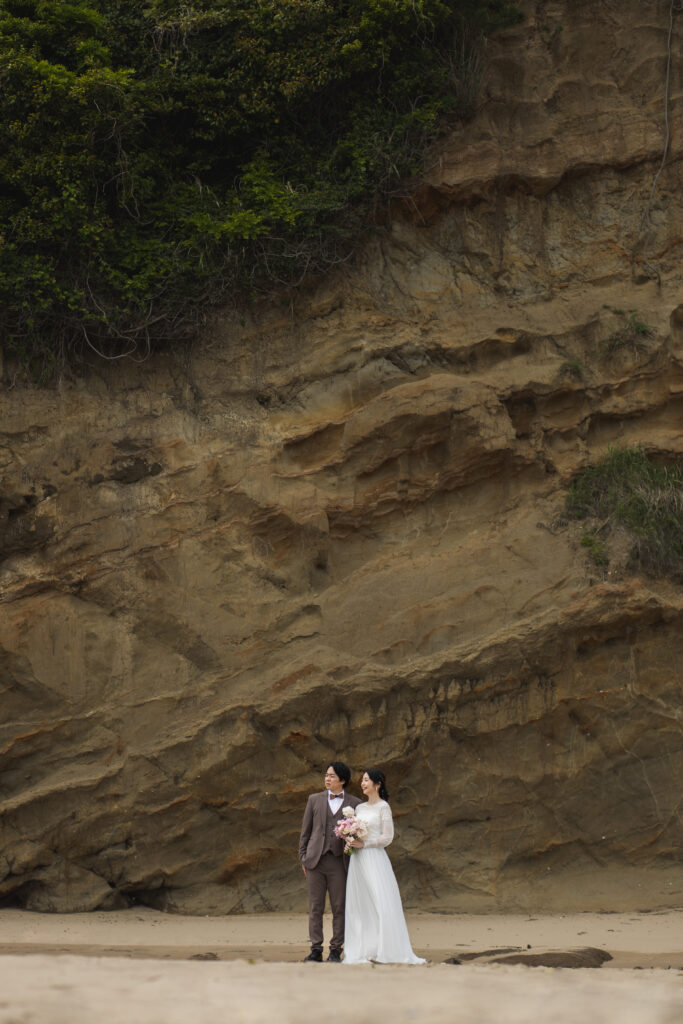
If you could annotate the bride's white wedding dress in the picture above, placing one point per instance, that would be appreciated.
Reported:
(375, 925)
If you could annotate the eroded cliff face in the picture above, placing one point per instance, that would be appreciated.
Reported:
(337, 529)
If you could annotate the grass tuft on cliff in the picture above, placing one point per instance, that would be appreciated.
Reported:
(629, 488)
(157, 156)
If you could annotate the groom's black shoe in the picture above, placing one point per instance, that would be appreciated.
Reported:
(334, 957)
(315, 956)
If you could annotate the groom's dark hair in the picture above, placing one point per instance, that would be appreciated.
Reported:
(342, 770)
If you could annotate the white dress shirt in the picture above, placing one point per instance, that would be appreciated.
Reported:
(335, 802)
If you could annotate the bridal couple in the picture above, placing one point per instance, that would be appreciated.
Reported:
(367, 915)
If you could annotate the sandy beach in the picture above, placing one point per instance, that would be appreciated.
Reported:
(633, 940)
(114, 968)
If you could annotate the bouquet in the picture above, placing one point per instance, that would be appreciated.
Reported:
(350, 827)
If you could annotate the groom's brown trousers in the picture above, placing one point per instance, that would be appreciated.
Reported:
(329, 875)
(324, 851)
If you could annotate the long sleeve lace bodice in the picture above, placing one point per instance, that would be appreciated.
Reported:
(379, 821)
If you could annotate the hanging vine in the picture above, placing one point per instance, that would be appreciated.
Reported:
(675, 7)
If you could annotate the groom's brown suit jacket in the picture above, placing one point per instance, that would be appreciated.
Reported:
(314, 827)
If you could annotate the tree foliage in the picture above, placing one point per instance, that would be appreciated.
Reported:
(159, 155)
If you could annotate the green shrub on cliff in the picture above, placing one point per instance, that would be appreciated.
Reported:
(631, 333)
(631, 489)
(158, 156)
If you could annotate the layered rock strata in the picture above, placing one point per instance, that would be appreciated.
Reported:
(337, 529)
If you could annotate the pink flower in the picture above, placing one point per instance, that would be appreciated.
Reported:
(350, 827)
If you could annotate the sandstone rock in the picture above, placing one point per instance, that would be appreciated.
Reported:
(588, 956)
(338, 530)
(571, 958)
(465, 957)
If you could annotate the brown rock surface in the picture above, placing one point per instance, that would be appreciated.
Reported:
(337, 529)
(583, 957)
(570, 958)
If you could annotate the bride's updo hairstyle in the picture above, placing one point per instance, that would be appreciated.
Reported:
(377, 776)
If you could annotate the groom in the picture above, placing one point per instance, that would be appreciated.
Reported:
(322, 858)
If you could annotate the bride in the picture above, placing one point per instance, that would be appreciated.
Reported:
(375, 925)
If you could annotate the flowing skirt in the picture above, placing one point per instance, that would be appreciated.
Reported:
(375, 925)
